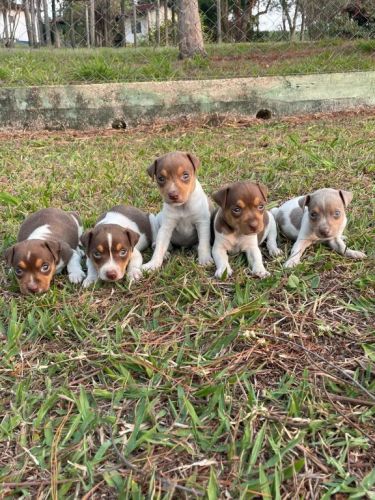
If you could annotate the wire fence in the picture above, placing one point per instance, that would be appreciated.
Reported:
(166, 23)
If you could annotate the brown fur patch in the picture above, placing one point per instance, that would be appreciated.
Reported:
(266, 220)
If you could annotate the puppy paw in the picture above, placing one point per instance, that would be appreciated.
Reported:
(275, 252)
(76, 276)
(205, 260)
(151, 266)
(221, 270)
(135, 274)
(88, 282)
(261, 273)
(291, 263)
(355, 254)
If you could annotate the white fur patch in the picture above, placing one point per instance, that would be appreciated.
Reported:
(126, 223)
(41, 233)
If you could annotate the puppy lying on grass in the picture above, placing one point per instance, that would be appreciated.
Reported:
(241, 224)
(48, 240)
(319, 216)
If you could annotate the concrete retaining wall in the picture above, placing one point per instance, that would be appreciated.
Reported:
(91, 106)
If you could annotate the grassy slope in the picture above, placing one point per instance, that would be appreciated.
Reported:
(20, 67)
(178, 366)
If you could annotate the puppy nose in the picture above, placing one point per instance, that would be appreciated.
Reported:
(111, 275)
(253, 224)
(32, 287)
(325, 232)
(173, 195)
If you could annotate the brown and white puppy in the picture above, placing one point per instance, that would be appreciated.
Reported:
(241, 224)
(115, 244)
(48, 240)
(319, 216)
(185, 216)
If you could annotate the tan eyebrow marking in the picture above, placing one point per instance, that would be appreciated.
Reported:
(241, 203)
(38, 262)
(100, 248)
(22, 264)
(118, 246)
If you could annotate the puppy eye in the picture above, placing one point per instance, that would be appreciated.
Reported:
(260, 207)
(18, 271)
(185, 176)
(122, 252)
(337, 213)
(45, 268)
(236, 210)
(161, 178)
(97, 254)
(313, 215)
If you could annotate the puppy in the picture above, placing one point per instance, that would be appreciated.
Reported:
(241, 224)
(47, 242)
(114, 245)
(319, 216)
(185, 216)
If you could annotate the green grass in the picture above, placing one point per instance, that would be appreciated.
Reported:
(214, 385)
(20, 67)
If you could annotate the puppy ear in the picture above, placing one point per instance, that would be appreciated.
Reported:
(194, 161)
(264, 190)
(346, 197)
(133, 237)
(86, 239)
(220, 197)
(8, 255)
(152, 169)
(304, 201)
(55, 248)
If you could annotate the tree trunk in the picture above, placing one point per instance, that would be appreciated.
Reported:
(123, 23)
(39, 23)
(135, 22)
(218, 21)
(190, 37)
(92, 23)
(174, 30)
(47, 26)
(30, 32)
(225, 20)
(72, 31)
(33, 23)
(87, 25)
(157, 12)
(5, 23)
(166, 30)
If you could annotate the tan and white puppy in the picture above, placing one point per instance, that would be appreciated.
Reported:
(185, 217)
(241, 224)
(48, 240)
(319, 216)
(115, 244)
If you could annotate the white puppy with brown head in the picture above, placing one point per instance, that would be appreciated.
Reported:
(319, 216)
(185, 217)
(241, 224)
(114, 245)
(48, 241)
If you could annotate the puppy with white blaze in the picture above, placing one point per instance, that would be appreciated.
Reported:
(115, 244)
(185, 217)
(319, 216)
(241, 224)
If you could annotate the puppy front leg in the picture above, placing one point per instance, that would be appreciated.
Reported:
(271, 242)
(297, 251)
(204, 247)
(75, 271)
(163, 240)
(92, 275)
(221, 260)
(339, 246)
(254, 257)
(135, 266)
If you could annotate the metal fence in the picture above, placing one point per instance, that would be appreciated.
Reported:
(121, 23)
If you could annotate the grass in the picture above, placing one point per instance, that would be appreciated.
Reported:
(22, 67)
(236, 389)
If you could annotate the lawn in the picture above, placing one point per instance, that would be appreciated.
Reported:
(237, 389)
(20, 67)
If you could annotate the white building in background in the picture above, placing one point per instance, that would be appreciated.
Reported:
(17, 31)
(146, 21)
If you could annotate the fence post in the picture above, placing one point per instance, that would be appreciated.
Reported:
(92, 23)
(135, 23)
(174, 30)
(87, 25)
(123, 23)
(218, 23)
